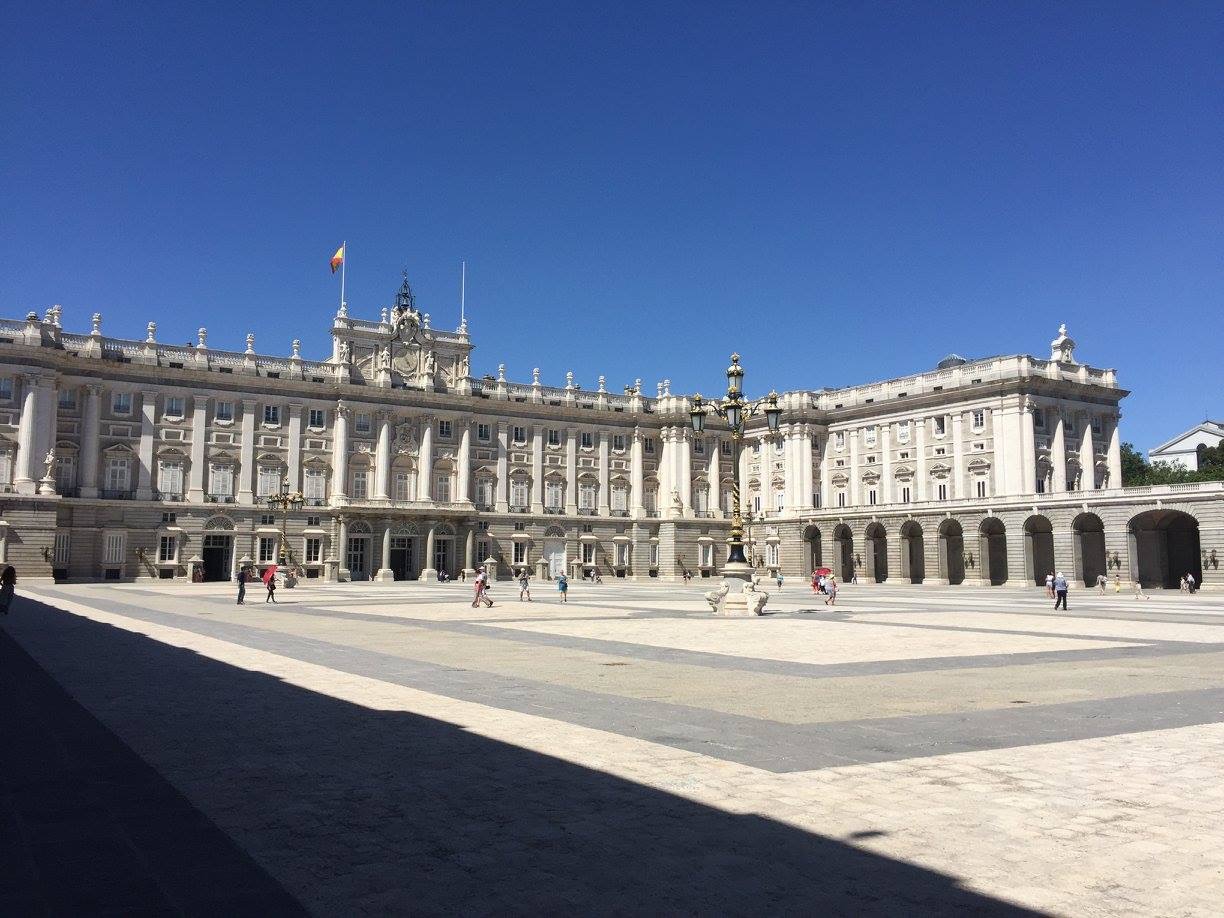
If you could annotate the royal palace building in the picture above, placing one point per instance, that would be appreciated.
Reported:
(128, 459)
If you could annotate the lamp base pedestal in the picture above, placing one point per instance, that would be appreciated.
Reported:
(742, 599)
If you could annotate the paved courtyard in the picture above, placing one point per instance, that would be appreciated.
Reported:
(385, 748)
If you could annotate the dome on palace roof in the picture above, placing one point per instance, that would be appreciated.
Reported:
(952, 360)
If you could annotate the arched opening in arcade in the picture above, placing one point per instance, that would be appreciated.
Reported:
(877, 553)
(992, 551)
(1090, 559)
(1164, 547)
(815, 555)
(843, 553)
(1038, 549)
(951, 552)
(913, 565)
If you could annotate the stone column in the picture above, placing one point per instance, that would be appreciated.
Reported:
(853, 499)
(684, 456)
(429, 573)
(28, 474)
(469, 552)
(384, 572)
(1007, 442)
(886, 477)
(148, 427)
(806, 482)
(1115, 452)
(1087, 457)
(342, 550)
(247, 471)
(425, 461)
(463, 475)
(340, 458)
(1028, 439)
(91, 442)
(1058, 452)
(920, 467)
(537, 468)
(958, 455)
(663, 503)
(382, 459)
(637, 476)
(602, 501)
(502, 497)
(571, 470)
(826, 462)
(48, 420)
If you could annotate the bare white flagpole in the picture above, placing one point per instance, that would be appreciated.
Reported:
(462, 293)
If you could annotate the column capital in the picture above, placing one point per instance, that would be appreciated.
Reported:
(248, 404)
(94, 389)
(199, 401)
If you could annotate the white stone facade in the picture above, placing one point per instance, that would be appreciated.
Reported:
(163, 457)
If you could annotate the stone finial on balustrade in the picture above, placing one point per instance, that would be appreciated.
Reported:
(659, 389)
(201, 337)
(382, 316)
(57, 312)
(667, 388)
(425, 321)
(250, 348)
(535, 376)
(95, 324)
(296, 348)
(501, 372)
(151, 328)
(569, 379)
(603, 384)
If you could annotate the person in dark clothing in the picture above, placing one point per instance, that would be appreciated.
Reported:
(271, 589)
(1060, 591)
(242, 582)
(8, 585)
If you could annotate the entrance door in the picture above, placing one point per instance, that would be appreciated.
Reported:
(554, 556)
(442, 554)
(357, 554)
(401, 558)
(216, 553)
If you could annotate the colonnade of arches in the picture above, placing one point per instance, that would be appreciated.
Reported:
(1162, 546)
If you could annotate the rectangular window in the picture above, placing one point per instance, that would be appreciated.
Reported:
(405, 485)
(903, 431)
(221, 481)
(869, 435)
(63, 546)
(554, 494)
(65, 473)
(756, 447)
(361, 484)
(118, 474)
(269, 481)
(981, 487)
(518, 494)
(1040, 485)
(588, 439)
(267, 519)
(725, 448)
(778, 446)
(167, 549)
(444, 430)
(174, 407)
(442, 488)
(941, 451)
(224, 411)
(979, 419)
(622, 554)
(771, 554)
(1096, 425)
(484, 493)
(941, 426)
(314, 550)
(756, 503)
(905, 494)
(114, 548)
(520, 552)
(654, 554)
(267, 549)
(586, 496)
(588, 553)
(618, 442)
(67, 398)
(170, 478)
(871, 496)
(779, 500)
(698, 447)
(1039, 418)
(271, 414)
(648, 445)
(6, 388)
(841, 498)
(318, 418)
(315, 486)
(620, 497)
(941, 491)
(483, 433)
(121, 403)
(903, 454)
(482, 550)
(839, 439)
(362, 424)
(519, 434)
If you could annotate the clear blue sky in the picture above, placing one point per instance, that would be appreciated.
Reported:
(865, 186)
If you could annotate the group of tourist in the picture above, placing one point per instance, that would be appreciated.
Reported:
(524, 584)
(825, 584)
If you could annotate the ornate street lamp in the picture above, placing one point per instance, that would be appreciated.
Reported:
(737, 411)
(285, 500)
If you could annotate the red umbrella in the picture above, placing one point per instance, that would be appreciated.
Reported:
(823, 572)
(269, 574)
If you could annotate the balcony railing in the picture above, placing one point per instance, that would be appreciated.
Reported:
(172, 496)
(554, 509)
(219, 498)
(704, 514)
(652, 514)
(117, 494)
(586, 511)
(620, 512)
(518, 509)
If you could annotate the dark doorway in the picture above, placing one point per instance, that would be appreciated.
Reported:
(913, 564)
(951, 552)
(992, 542)
(843, 560)
(1039, 548)
(877, 553)
(402, 566)
(811, 536)
(1089, 547)
(217, 552)
(1164, 548)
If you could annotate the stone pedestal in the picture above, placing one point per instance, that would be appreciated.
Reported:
(429, 575)
(385, 575)
(738, 603)
(47, 485)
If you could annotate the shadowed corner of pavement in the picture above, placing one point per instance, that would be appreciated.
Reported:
(358, 810)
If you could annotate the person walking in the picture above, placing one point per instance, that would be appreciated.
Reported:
(8, 585)
(779, 579)
(563, 587)
(481, 588)
(1101, 581)
(1137, 588)
(1191, 583)
(1117, 583)
(1050, 585)
(1060, 590)
(524, 585)
(271, 584)
(830, 590)
(242, 582)
(815, 582)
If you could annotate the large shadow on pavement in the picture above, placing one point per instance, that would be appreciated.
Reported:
(359, 811)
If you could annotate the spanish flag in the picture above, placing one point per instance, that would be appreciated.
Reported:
(338, 259)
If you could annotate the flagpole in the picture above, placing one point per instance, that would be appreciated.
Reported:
(462, 292)
(343, 265)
